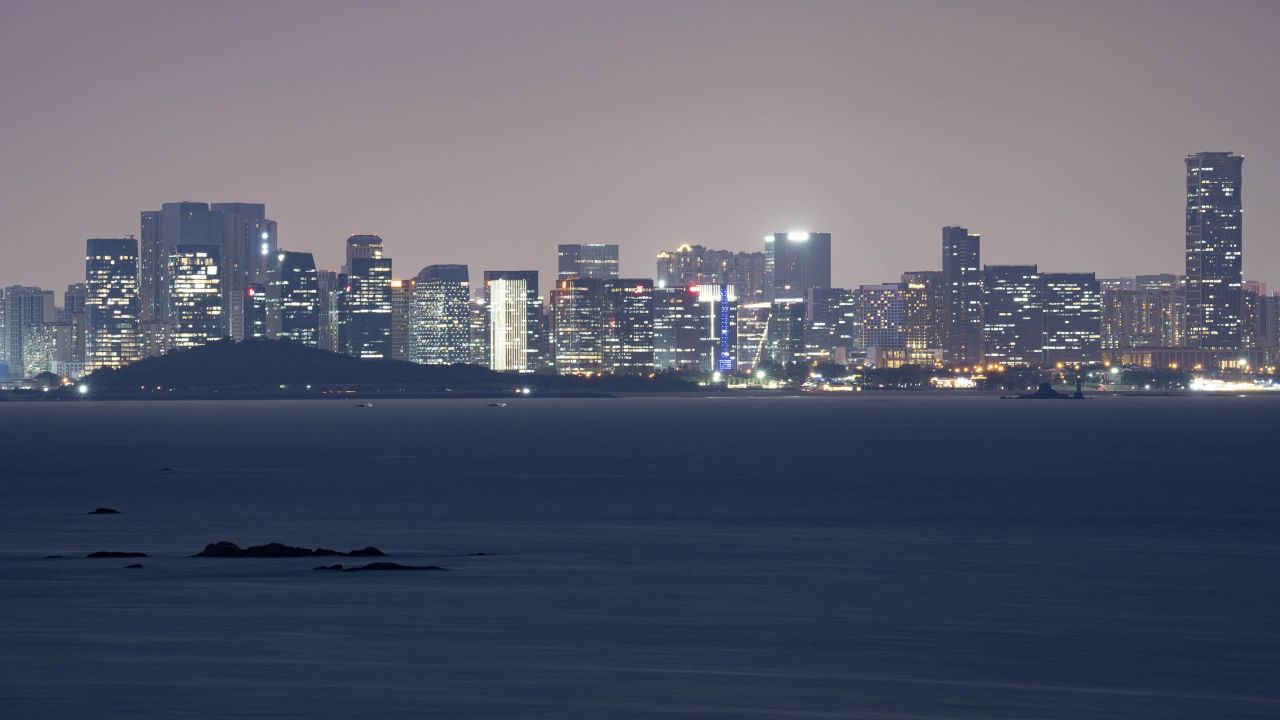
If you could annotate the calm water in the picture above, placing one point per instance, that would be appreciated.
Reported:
(880, 556)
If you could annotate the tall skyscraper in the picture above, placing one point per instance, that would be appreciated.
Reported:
(249, 245)
(1214, 250)
(628, 326)
(195, 296)
(882, 316)
(753, 329)
(362, 246)
(795, 262)
(831, 324)
(24, 307)
(1072, 318)
(331, 287)
(597, 262)
(1013, 326)
(293, 299)
(514, 309)
(151, 277)
(365, 324)
(962, 289)
(718, 308)
(577, 306)
(401, 307)
(677, 328)
(784, 337)
(925, 308)
(439, 317)
(111, 303)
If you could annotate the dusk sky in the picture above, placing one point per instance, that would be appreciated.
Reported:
(487, 132)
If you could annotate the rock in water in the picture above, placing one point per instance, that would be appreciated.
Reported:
(104, 511)
(114, 554)
(370, 551)
(279, 550)
(135, 565)
(328, 567)
(392, 566)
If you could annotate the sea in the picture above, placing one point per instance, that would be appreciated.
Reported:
(885, 556)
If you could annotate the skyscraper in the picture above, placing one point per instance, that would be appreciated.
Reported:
(293, 299)
(831, 324)
(677, 328)
(248, 250)
(23, 308)
(362, 246)
(962, 289)
(718, 309)
(1072, 318)
(1214, 250)
(401, 307)
(438, 320)
(365, 324)
(577, 306)
(514, 307)
(882, 315)
(195, 296)
(151, 292)
(628, 326)
(598, 262)
(925, 310)
(111, 303)
(795, 262)
(331, 287)
(784, 337)
(1013, 326)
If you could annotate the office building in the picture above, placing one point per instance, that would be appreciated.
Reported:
(365, 306)
(330, 287)
(962, 290)
(111, 303)
(595, 262)
(784, 336)
(1214, 250)
(195, 296)
(401, 307)
(628, 326)
(22, 308)
(718, 310)
(881, 316)
(439, 332)
(831, 324)
(925, 310)
(1013, 305)
(577, 306)
(1072, 318)
(293, 299)
(514, 318)
(677, 328)
(255, 313)
(795, 262)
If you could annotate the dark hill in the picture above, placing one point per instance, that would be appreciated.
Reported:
(271, 363)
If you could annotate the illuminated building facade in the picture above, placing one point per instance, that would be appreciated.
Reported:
(195, 296)
(478, 324)
(254, 312)
(330, 287)
(111, 303)
(795, 262)
(596, 262)
(293, 299)
(1143, 317)
(1214, 250)
(697, 265)
(831, 324)
(21, 308)
(577, 325)
(962, 294)
(365, 308)
(439, 324)
(513, 305)
(784, 337)
(1072, 318)
(718, 307)
(628, 326)
(1013, 328)
(401, 308)
(753, 327)
(924, 310)
(677, 328)
(881, 316)
(248, 251)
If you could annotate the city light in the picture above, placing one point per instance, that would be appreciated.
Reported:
(83, 389)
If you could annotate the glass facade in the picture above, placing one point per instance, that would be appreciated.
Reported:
(1013, 329)
(1214, 250)
(439, 330)
(111, 303)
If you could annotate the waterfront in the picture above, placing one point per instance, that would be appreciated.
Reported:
(903, 556)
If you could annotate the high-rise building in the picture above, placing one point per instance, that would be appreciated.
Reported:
(362, 246)
(795, 262)
(962, 292)
(677, 328)
(1134, 317)
(478, 325)
(293, 299)
(46, 347)
(1214, 250)
(681, 267)
(718, 308)
(925, 310)
(111, 303)
(514, 309)
(753, 329)
(1072, 318)
(195, 296)
(628, 326)
(331, 287)
(597, 262)
(73, 314)
(831, 324)
(784, 337)
(255, 313)
(439, 329)
(882, 314)
(577, 306)
(248, 251)
(401, 307)
(365, 307)
(23, 308)
(690, 265)
(151, 269)
(1013, 302)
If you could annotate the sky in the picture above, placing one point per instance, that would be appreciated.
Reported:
(488, 132)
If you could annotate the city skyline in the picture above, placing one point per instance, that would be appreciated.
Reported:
(542, 150)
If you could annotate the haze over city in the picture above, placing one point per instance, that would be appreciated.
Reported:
(486, 133)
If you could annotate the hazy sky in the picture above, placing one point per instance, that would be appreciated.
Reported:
(488, 132)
